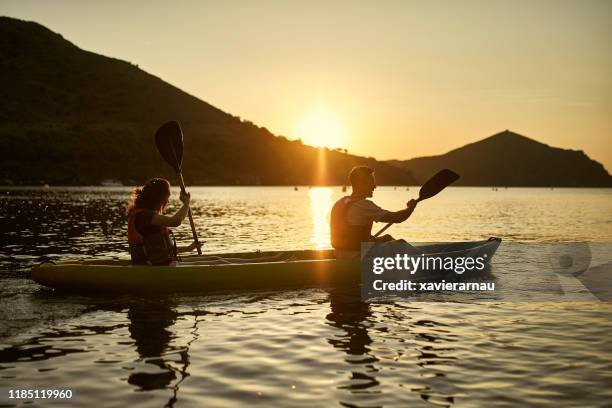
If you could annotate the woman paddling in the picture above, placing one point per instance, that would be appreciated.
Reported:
(149, 234)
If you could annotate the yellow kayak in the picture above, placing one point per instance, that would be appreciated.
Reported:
(305, 268)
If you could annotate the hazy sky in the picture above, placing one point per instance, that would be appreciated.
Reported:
(395, 79)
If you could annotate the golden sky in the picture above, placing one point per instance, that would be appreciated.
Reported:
(389, 79)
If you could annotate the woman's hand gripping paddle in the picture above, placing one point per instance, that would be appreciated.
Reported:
(169, 142)
(433, 186)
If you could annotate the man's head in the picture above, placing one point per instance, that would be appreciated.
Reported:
(362, 180)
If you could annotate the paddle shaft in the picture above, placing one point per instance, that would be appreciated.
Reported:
(182, 184)
(383, 229)
(193, 230)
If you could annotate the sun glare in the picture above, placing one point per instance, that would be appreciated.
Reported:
(322, 129)
(320, 205)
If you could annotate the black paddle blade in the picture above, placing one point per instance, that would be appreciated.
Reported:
(169, 142)
(437, 183)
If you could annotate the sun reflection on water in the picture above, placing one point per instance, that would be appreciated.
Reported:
(320, 206)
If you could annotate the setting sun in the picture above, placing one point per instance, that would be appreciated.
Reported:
(322, 129)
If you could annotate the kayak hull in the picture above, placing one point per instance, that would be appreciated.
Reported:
(308, 268)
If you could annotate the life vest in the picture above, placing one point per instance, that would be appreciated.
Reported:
(152, 249)
(343, 235)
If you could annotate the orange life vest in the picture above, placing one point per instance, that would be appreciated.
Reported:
(343, 235)
(152, 249)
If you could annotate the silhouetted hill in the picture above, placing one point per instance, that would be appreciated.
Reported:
(509, 159)
(69, 116)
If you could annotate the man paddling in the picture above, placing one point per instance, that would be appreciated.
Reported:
(352, 216)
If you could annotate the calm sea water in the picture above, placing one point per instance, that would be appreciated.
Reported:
(306, 348)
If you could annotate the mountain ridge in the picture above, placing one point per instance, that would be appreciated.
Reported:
(76, 117)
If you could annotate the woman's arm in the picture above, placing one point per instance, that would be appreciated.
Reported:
(176, 219)
(188, 248)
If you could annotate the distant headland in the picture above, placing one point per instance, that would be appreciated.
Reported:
(510, 159)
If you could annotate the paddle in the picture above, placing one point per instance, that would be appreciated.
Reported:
(169, 142)
(433, 186)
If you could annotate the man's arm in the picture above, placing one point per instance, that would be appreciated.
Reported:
(401, 215)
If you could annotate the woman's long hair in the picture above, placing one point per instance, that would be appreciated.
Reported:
(151, 196)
